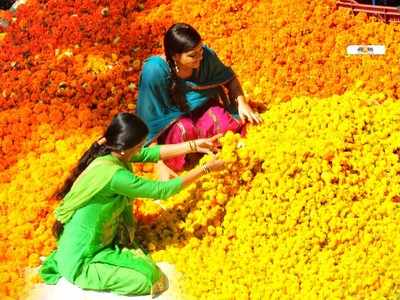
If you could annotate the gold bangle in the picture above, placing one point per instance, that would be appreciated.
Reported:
(190, 146)
(205, 169)
(193, 146)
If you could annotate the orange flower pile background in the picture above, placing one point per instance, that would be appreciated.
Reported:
(67, 66)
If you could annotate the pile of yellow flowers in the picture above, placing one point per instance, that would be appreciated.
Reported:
(308, 204)
(307, 207)
(27, 212)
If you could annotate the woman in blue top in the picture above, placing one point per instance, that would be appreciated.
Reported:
(182, 94)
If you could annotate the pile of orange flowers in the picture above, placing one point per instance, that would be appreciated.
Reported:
(67, 66)
(49, 71)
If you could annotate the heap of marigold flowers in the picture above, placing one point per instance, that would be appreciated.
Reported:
(281, 50)
(70, 60)
(306, 209)
(67, 66)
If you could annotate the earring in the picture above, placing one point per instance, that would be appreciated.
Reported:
(176, 67)
(122, 153)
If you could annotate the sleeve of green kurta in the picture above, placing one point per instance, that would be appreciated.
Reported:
(128, 184)
(147, 154)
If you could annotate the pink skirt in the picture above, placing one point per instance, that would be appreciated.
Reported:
(202, 124)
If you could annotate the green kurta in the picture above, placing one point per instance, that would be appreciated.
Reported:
(87, 254)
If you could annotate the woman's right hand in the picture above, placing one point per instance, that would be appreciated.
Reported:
(207, 145)
(212, 166)
(215, 164)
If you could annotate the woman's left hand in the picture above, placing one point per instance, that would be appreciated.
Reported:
(246, 113)
(208, 145)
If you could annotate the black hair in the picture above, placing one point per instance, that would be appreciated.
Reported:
(178, 39)
(125, 131)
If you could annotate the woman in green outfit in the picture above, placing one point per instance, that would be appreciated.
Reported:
(94, 223)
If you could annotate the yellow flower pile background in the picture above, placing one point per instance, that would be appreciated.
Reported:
(308, 207)
(309, 204)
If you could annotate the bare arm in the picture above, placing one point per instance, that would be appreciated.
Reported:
(192, 175)
(200, 145)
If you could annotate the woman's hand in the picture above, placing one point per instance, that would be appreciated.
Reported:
(246, 113)
(208, 145)
(215, 164)
(211, 166)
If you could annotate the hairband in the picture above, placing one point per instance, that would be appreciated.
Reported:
(102, 141)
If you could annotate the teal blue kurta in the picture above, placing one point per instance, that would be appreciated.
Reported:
(87, 254)
(154, 103)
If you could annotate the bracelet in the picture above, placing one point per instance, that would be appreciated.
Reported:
(190, 146)
(205, 169)
(193, 146)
